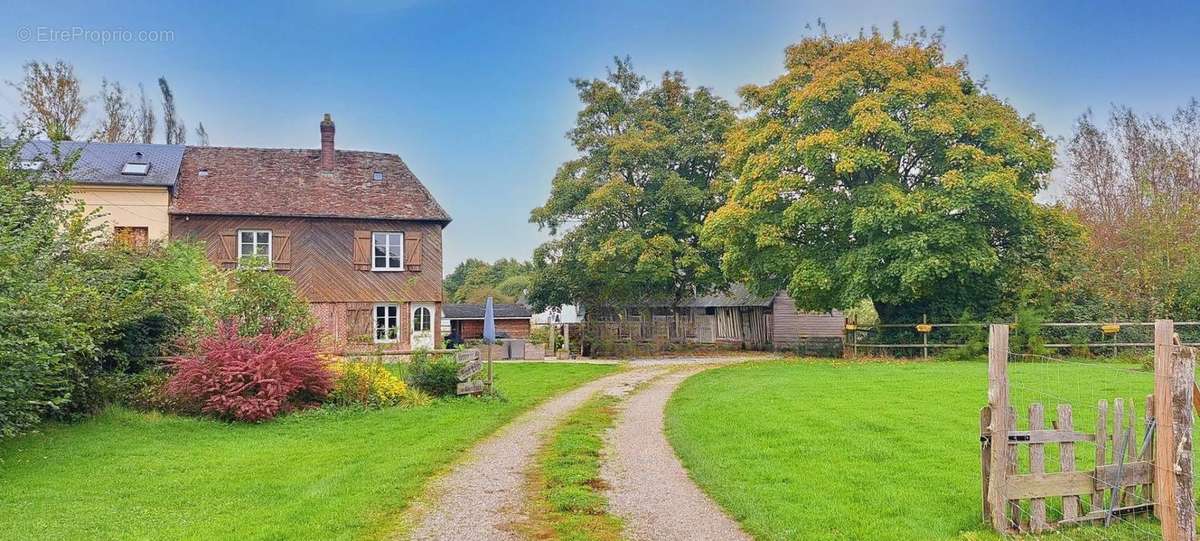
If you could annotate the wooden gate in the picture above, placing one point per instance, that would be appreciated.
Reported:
(1140, 468)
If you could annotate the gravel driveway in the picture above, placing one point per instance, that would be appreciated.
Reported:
(483, 497)
(648, 486)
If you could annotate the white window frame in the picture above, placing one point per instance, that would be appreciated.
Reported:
(254, 245)
(394, 327)
(388, 250)
(428, 319)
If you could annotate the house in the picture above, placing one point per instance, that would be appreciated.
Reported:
(128, 186)
(466, 320)
(357, 232)
(734, 318)
(565, 314)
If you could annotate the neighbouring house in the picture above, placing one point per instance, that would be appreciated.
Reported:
(357, 232)
(736, 318)
(466, 320)
(127, 185)
(566, 314)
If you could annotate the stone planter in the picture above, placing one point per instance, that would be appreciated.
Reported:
(535, 352)
(499, 352)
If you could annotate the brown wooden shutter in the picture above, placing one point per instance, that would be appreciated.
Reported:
(229, 247)
(412, 251)
(360, 322)
(362, 250)
(281, 250)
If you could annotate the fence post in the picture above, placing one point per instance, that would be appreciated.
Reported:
(1001, 422)
(1174, 376)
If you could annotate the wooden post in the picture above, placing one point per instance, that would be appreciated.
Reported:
(924, 338)
(985, 456)
(854, 337)
(1148, 454)
(1037, 466)
(1101, 454)
(1066, 460)
(1001, 424)
(1174, 376)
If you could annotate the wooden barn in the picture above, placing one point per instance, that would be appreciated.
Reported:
(737, 318)
(465, 321)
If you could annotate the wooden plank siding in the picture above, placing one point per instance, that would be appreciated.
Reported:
(321, 262)
(790, 325)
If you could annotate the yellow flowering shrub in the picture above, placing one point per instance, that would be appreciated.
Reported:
(371, 384)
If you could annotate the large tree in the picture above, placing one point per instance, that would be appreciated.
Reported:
(119, 121)
(875, 169)
(51, 99)
(473, 280)
(627, 213)
(145, 121)
(173, 126)
(1135, 185)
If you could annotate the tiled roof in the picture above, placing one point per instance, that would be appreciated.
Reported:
(290, 182)
(101, 163)
(475, 311)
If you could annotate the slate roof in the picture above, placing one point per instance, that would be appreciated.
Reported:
(101, 163)
(290, 182)
(475, 311)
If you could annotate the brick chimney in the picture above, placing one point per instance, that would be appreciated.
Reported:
(327, 143)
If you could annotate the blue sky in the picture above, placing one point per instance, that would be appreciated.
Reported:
(475, 96)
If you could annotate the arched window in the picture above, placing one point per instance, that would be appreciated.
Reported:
(422, 319)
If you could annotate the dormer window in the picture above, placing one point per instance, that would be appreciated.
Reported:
(378, 175)
(136, 169)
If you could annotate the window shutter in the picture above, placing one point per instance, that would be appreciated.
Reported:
(362, 250)
(281, 248)
(412, 251)
(361, 321)
(229, 247)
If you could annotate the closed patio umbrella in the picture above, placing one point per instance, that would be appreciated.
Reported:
(489, 334)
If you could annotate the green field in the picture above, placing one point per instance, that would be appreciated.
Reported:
(315, 475)
(836, 450)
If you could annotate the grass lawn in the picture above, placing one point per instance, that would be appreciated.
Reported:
(835, 450)
(316, 475)
(569, 504)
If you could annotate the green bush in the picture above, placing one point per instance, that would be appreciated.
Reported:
(544, 334)
(260, 300)
(77, 313)
(971, 335)
(436, 375)
(1027, 333)
(45, 304)
(154, 297)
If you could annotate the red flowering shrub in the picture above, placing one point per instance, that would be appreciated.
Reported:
(251, 378)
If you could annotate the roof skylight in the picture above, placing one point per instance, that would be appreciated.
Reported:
(135, 168)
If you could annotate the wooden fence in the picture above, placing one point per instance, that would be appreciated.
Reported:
(1132, 474)
(924, 338)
